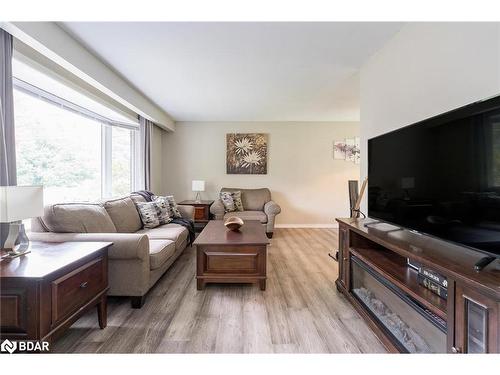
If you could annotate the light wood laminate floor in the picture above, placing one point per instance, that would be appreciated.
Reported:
(300, 312)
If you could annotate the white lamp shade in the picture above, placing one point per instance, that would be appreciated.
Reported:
(198, 185)
(20, 202)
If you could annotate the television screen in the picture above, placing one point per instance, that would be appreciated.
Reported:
(441, 176)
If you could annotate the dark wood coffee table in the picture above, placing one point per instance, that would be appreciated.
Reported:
(224, 256)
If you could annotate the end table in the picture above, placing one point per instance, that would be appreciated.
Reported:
(45, 291)
(201, 212)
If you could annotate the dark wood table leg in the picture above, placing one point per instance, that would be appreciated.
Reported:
(200, 284)
(102, 312)
(262, 284)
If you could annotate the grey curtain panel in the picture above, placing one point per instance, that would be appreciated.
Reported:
(7, 133)
(146, 130)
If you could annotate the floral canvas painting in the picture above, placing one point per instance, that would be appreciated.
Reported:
(348, 150)
(246, 153)
(339, 150)
(357, 149)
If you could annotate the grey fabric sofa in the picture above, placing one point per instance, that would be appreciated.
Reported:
(138, 256)
(257, 204)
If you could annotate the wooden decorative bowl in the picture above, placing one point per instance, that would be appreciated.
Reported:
(233, 223)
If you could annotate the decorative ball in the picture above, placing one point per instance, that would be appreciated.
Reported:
(233, 223)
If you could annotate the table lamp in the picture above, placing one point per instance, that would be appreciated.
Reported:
(198, 185)
(16, 204)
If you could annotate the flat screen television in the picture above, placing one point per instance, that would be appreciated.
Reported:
(441, 176)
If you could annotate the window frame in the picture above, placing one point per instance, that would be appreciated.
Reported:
(107, 126)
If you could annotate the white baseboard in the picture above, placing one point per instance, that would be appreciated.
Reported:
(332, 225)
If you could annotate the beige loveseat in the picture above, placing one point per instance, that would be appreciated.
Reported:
(137, 258)
(257, 205)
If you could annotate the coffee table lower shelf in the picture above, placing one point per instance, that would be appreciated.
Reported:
(202, 280)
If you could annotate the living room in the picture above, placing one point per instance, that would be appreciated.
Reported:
(248, 186)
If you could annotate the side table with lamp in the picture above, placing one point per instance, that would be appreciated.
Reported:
(198, 186)
(17, 203)
(201, 207)
(45, 287)
(201, 212)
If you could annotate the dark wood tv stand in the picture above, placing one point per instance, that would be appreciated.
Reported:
(372, 269)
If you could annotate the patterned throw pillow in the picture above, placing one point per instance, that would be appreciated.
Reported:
(231, 201)
(148, 213)
(237, 201)
(173, 211)
(228, 201)
(162, 210)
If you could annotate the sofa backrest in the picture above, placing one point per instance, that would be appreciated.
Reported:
(75, 218)
(252, 199)
(124, 215)
(37, 225)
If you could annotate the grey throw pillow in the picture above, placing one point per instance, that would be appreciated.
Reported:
(162, 210)
(173, 211)
(237, 200)
(228, 201)
(231, 201)
(148, 213)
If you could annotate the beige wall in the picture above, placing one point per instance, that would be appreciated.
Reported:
(304, 179)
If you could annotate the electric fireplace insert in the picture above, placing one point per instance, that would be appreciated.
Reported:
(414, 327)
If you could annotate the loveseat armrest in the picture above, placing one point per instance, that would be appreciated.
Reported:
(125, 245)
(272, 208)
(186, 211)
(217, 209)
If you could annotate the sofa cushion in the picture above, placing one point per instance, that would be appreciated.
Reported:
(159, 252)
(37, 225)
(248, 215)
(124, 215)
(253, 199)
(77, 218)
(173, 232)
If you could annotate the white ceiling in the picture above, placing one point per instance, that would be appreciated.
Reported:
(241, 71)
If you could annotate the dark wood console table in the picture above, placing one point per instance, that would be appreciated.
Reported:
(45, 291)
(375, 278)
